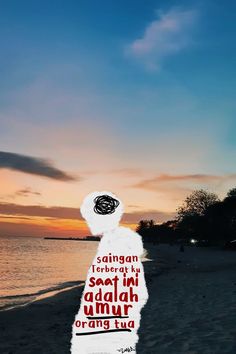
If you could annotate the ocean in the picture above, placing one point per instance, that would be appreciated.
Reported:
(32, 268)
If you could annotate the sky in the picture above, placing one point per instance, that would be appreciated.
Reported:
(134, 97)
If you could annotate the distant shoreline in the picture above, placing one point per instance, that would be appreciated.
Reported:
(88, 238)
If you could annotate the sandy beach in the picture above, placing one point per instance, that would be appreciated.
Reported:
(191, 308)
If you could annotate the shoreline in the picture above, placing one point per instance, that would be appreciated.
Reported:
(42, 294)
(190, 309)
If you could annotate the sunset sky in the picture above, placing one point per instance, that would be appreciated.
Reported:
(135, 97)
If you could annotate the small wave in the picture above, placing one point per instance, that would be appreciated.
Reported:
(15, 301)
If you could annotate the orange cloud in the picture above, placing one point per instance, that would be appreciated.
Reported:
(67, 213)
(153, 183)
(38, 210)
(34, 220)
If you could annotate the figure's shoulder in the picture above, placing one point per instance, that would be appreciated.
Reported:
(126, 231)
(131, 238)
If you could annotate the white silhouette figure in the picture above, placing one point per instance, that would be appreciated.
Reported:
(103, 211)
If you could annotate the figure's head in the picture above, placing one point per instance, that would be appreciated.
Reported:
(102, 211)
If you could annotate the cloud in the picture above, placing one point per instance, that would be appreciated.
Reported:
(74, 213)
(32, 165)
(163, 37)
(16, 217)
(154, 183)
(25, 192)
(41, 211)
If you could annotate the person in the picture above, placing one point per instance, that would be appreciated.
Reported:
(103, 211)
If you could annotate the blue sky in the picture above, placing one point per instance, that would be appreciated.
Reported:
(145, 86)
(89, 38)
(81, 46)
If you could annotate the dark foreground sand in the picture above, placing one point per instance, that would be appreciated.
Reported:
(191, 309)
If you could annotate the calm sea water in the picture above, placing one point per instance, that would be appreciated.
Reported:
(31, 267)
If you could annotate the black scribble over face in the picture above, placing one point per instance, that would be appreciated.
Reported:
(104, 204)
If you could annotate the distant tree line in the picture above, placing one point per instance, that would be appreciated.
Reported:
(202, 217)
